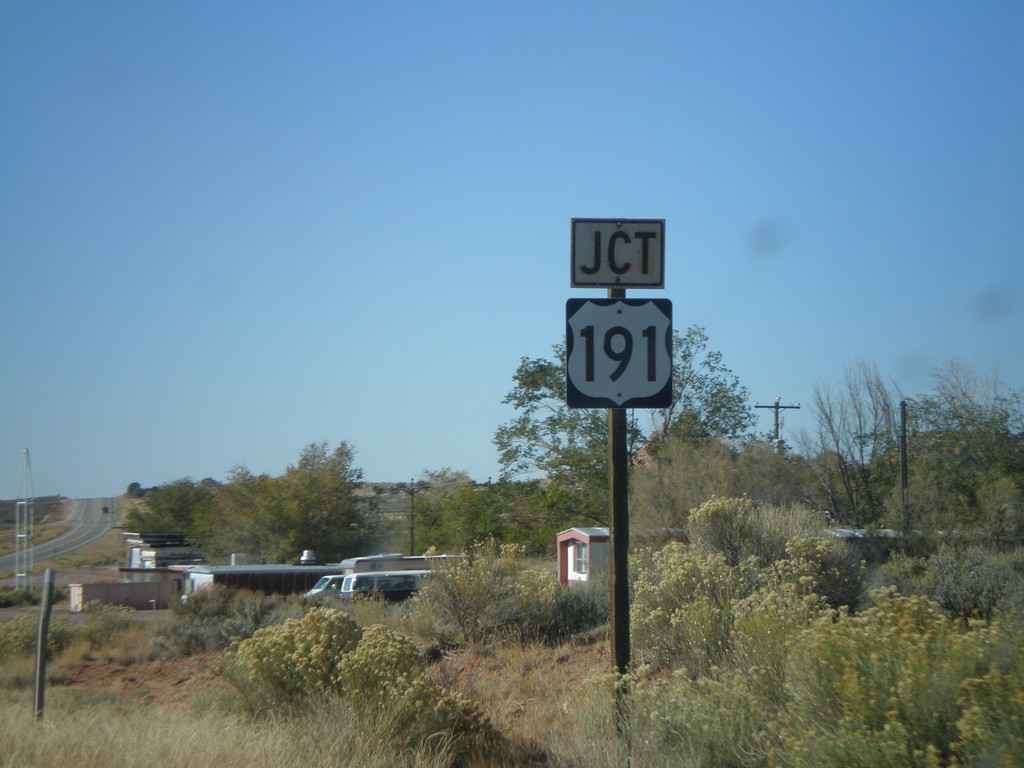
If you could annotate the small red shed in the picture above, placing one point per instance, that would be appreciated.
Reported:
(582, 554)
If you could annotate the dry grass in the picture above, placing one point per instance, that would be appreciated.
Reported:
(133, 645)
(106, 708)
(112, 731)
(548, 702)
(120, 727)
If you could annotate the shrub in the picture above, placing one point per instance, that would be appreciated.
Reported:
(531, 608)
(885, 686)
(18, 636)
(991, 726)
(10, 598)
(828, 568)
(682, 607)
(698, 723)
(578, 611)
(1002, 506)
(324, 655)
(385, 682)
(908, 574)
(212, 619)
(294, 661)
(544, 611)
(739, 529)
(103, 621)
(971, 583)
(764, 625)
(472, 598)
(731, 527)
(489, 595)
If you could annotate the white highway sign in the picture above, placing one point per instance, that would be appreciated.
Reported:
(618, 253)
(618, 353)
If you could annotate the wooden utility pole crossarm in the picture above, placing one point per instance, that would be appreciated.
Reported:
(776, 406)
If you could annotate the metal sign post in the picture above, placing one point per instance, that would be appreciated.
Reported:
(618, 356)
(618, 502)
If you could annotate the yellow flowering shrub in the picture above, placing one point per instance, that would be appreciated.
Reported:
(385, 681)
(383, 660)
(895, 674)
(824, 567)
(682, 607)
(764, 625)
(295, 660)
(729, 527)
(378, 672)
(991, 725)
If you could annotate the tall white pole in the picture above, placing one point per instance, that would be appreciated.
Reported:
(24, 526)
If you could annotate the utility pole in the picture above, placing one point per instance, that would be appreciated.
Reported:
(903, 468)
(24, 527)
(412, 490)
(776, 406)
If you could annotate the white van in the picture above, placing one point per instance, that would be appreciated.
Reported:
(326, 586)
(391, 586)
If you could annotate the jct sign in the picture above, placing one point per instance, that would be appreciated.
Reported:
(618, 353)
(618, 253)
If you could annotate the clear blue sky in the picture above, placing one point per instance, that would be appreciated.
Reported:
(231, 229)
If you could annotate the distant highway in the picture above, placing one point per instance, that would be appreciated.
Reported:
(88, 522)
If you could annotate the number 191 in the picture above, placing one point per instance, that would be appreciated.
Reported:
(621, 352)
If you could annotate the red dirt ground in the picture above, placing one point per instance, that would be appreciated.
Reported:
(178, 681)
(170, 681)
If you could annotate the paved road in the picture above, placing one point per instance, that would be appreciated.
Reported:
(88, 522)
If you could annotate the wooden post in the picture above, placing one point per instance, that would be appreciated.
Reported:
(618, 493)
(42, 635)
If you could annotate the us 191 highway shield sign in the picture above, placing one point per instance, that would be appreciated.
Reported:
(618, 353)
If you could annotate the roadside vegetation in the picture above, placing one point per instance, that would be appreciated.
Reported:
(763, 653)
(788, 608)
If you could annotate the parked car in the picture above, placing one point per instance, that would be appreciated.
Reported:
(392, 586)
(326, 586)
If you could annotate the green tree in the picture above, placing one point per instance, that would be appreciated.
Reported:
(449, 513)
(245, 519)
(313, 506)
(546, 438)
(707, 399)
(174, 506)
(568, 447)
(966, 452)
(454, 513)
(321, 510)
